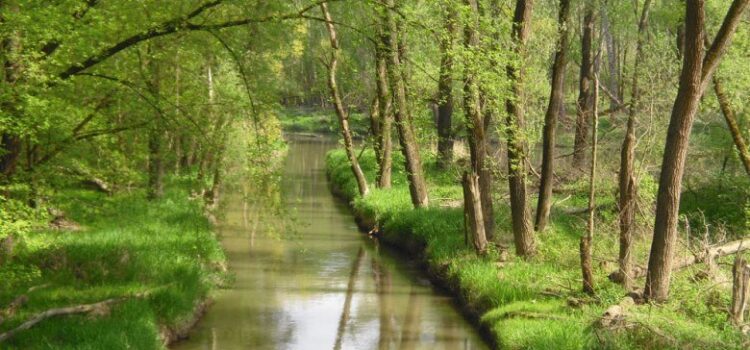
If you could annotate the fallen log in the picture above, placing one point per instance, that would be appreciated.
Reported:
(100, 308)
(704, 255)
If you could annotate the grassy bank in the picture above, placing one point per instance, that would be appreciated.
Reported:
(537, 304)
(160, 257)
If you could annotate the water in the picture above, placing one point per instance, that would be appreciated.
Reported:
(313, 281)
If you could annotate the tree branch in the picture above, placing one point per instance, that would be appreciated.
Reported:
(173, 26)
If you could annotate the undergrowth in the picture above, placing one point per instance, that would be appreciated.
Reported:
(537, 303)
(126, 245)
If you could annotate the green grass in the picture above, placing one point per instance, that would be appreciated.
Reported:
(127, 245)
(525, 303)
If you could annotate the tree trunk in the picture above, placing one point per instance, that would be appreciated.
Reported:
(339, 104)
(734, 128)
(445, 92)
(385, 107)
(584, 105)
(587, 240)
(627, 184)
(740, 291)
(556, 101)
(613, 64)
(156, 132)
(697, 71)
(473, 212)
(409, 146)
(475, 123)
(523, 232)
(179, 149)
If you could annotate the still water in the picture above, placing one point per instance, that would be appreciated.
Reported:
(306, 278)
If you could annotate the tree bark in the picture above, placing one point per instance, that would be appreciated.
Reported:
(409, 146)
(523, 232)
(584, 104)
(341, 112)
(473, 212)
(445, 91)
(627, 184)
(734, 128)
(697, 71)
(385, 108)
(556, 102)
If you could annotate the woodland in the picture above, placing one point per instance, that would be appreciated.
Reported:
(576, 173)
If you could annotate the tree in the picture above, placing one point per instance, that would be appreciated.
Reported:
(478, 210)
(556, 103)
(587, 239)
(734, 128)
(584, 104)
(697, 70)
(341, 112)
(409, 146)
(385, 105)
(627, 183)
(523, 232)
(445, 89)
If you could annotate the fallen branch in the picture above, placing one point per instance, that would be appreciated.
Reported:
(699, 257)
(100, 308)
(17, 303)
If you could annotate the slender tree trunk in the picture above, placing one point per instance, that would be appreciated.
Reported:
(583, 115)
(613, 81)
(697, 71)
(409, 146)
(627, 183)
(339, 104)
(556, 101)
(156, 132)
(385, 108)
(376, 124)
(445, 91)
(734, 128)
(517, 150)
(179, 149)
(587, 240)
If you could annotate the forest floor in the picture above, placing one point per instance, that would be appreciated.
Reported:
(538, 303)
(155, 262)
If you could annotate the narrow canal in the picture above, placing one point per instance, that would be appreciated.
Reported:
(305, 278)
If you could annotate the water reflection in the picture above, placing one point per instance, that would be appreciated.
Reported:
(306, 279)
